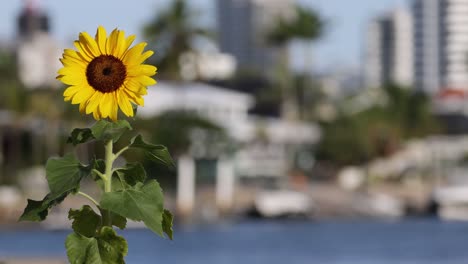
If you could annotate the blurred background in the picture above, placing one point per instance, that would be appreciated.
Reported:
(304, 131)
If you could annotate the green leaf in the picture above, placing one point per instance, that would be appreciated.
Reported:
(116, 183)
(38, 210)
(128, 175)
(113, 248)
(107, 248)
(35, 211)
(132, 173)
(81, 249)
(80, 136)
(118, 220)
(105, 130)
(85, 221)
(99, 165)
(139, 203)
(167, 221)
(64, 175)
(156, 153)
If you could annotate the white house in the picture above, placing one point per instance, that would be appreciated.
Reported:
(224, 107)
(265, 143)
(265, 140)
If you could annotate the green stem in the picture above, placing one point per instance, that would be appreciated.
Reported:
(121, 151)
(109, 159)
(98, 173)
(87, 196)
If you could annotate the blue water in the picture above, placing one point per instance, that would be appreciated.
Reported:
(415, 241)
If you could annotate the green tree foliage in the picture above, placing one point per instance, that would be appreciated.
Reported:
(378, 131)
(15, 97)
(343, 142)
(12, 93)
(172, 30)
(308, 94)
(305, 25)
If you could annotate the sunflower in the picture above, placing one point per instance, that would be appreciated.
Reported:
(105, 74)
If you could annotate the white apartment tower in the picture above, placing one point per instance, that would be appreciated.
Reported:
(389, 50)
(441, 44)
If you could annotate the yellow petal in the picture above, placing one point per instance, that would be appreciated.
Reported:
(132, 84)
(143, 91)
(124, 104)
(82, 107)
(101, 38)
(135, 98)
(70, 57)
(120, 44)
(128, 43)
(69, 62)
(73, 79)
(82, 53)
(114, 107)
(111, 41)
(105, 107)
(82, 95)
(83, 57)
(135, 86)
(145, 80)
(93, 102)
(132, 54)
(74, 70)
(135, 58)
(71, 53)
(89, 44)
(96, 115)
(144, 56)
(70, 91)
(144, 69)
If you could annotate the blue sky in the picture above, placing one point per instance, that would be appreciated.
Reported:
(342, 44)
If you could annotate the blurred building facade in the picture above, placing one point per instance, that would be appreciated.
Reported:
(389, 49)
(441, 44)
(264, 147)
(206, 65)
(266, 142)
(37, 52)
(242, 27)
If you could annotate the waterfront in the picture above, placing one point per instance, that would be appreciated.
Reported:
(411, 241)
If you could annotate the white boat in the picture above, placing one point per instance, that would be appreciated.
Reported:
(282, 204)
(451, 202)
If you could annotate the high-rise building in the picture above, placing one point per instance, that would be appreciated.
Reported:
(441, 44)
(242, 28)
(389, 52)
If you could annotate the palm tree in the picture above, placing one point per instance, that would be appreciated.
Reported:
(306, 25)
(172, 32)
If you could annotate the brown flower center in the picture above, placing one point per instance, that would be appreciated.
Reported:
(106, 73)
